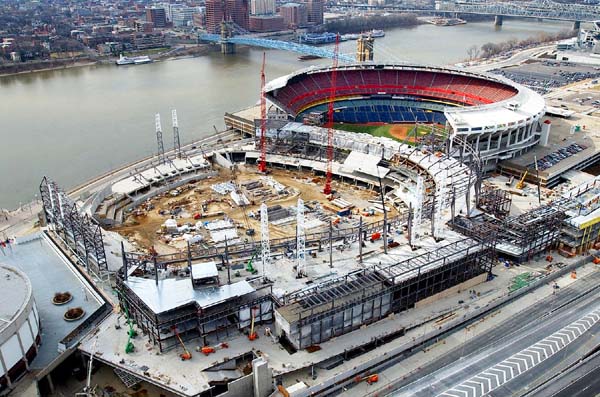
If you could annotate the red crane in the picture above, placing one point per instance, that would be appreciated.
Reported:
(262, 165)
(327, 189)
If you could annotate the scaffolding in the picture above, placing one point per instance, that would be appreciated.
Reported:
(80, 234)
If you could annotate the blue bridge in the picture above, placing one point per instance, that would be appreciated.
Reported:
(277, 45)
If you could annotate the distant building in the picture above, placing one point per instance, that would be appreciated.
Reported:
(199, 20)
(142, 41)
(158, 16)
(226, 10)
(315, 11)
(262, 7)
(266, 23)
(294, 15)
(143, 26)
(183, 15)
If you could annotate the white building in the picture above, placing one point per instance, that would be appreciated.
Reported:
(182, 15)
(262, 7)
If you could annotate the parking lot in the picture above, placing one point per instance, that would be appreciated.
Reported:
(557, 156)
(544, 75)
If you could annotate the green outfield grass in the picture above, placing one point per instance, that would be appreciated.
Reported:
(375, 130)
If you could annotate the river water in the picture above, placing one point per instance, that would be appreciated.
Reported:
(77, 123)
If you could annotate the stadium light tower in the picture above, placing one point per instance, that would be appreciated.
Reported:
(262, 165)
(159, 139)
(336, 52)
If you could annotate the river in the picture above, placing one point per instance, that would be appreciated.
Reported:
(77, 123)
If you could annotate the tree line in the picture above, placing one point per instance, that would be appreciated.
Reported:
(491, 49)
(365, 23)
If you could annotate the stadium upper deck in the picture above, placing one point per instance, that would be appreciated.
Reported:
(499, 117)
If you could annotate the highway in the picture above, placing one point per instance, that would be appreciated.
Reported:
(516, 59)
(582, 380)
(518, 353)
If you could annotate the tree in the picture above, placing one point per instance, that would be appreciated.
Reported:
(473, 52)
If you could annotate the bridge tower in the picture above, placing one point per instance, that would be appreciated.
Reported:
(226, 33)
(498, 20)
(364, 48)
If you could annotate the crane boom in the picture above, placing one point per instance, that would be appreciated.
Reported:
(262, 166)
(336, 51)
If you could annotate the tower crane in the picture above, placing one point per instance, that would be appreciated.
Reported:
(336, 52)
(262, 165)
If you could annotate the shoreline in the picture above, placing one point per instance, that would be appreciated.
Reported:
(30, 71)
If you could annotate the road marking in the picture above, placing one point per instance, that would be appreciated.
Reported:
(559, 342)
(476, 386)
(512, 371)
(485, 382)
(541, 353)
(498, 374)
(550, 347)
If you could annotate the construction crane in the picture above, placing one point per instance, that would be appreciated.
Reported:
(336, 52)
(262, 165)
(186, 355)
(521, 182)
(88, 391)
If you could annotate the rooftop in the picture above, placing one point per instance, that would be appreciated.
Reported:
(17, 290)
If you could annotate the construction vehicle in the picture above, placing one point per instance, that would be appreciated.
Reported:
(373, 378)
(186, 355)
(249, 267)
(206, 350)
(521, 182)
(131, 332)
(252, 335)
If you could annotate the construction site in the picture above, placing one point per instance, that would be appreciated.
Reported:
(291, 258)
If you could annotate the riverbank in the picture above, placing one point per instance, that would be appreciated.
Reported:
(59, 64)
(32, 68)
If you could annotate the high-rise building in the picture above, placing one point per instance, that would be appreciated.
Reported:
(183, 15)
(262, 7)
(156, 15)
(315, 11)
(266, 23)
(217, 11)
(294, 15)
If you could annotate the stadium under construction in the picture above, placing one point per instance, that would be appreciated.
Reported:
(266, 275)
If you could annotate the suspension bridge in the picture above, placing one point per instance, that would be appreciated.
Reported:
(248, 40)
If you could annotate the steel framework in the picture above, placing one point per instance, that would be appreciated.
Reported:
(77, 231)
(321, 312)
(262, 165)
(332, 91)
(495, 202)
(176, 141)
(545, 9)
(265, 245)
(159, 139)
(300, 239)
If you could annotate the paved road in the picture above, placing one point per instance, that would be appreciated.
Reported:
(583, 380)
(516, 59)
(509, 338)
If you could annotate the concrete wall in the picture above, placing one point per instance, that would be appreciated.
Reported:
(240, 387)
(452, 291)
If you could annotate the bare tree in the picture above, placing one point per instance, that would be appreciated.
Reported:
(473, 52)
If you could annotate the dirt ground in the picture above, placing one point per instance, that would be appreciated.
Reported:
(400, 132)
(142, 227)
